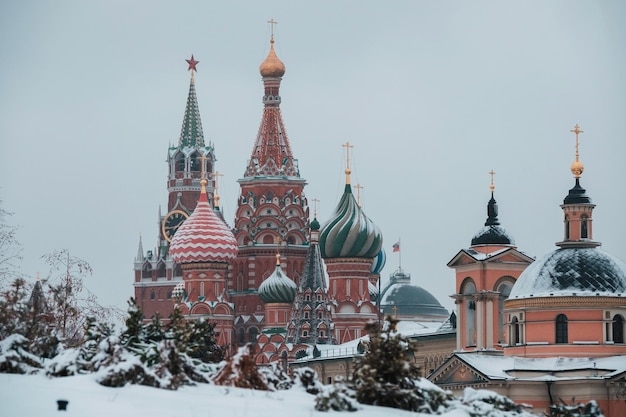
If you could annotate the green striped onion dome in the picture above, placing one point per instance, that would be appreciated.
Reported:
(278, 288)
(349, 233)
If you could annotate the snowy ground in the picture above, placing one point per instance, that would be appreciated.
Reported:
(34, 396)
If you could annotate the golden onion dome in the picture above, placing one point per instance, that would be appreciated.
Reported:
(272, 66)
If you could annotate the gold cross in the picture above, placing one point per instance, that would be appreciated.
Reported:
(272, 22)
(203, 159)
(347, 146)
(492, 187)
(358, 194)
(576, 130)
(216, 198)
(395, 311)
(315, 201)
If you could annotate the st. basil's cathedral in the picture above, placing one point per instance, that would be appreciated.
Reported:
(533, 330)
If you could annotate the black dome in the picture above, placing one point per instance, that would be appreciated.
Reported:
(492, 235)
(577, 195)
(572, 271)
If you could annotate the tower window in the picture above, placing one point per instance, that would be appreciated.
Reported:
(618, 329)
(515, 339)
(584, 228)
(561, 329)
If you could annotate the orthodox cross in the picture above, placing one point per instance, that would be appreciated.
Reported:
(395, 312)
(347, 146)
(272, 22)
(576, 130)
(492, 187)
(203, 159)
(216, 198)
(315, 201)
(358, 194)
(278, 241)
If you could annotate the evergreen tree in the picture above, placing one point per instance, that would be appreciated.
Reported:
(134, 332)
(386, 374)
(202, 342)
(154, 331)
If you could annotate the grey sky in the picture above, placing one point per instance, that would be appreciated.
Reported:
(432, 95)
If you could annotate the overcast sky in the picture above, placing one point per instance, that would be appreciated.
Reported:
(433, 95)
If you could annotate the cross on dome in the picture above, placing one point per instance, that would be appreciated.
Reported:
(577, 167)
(347, 146)
(492, 186)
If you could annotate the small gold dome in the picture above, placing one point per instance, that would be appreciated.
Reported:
(577, 168)
(272, 66)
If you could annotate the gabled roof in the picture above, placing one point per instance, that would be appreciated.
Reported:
(494, 366)
(470, 256)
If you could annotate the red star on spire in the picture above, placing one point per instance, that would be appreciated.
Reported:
(192, 64)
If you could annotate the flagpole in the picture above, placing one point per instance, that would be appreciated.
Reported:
(400, 253)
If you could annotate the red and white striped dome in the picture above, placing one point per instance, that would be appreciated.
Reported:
(203, 237)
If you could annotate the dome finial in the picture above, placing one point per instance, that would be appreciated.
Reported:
(577, 167)
(348, 172)
(203, 181)
(492, 186)
(272, 66)
(192, 66)
(278, 241)
(216, 196)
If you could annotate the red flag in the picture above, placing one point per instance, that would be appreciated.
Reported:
(396, 247)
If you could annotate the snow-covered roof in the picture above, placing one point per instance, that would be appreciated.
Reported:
(499, 367)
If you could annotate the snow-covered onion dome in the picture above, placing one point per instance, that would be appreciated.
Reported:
(578, 267)
(203, 237)
(572, 271)
(379, 262)
(349, 233)
(492, 233)
(373, 290)
(272, 66)
(278, 288)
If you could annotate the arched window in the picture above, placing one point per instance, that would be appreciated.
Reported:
(180, 162)
(561, 329)
(470, 314)
(504, 289)
(252, 334)
(514, 338)
(242, 336)
(618, 329)
(566, 227)
(195, 162)
(584, 227)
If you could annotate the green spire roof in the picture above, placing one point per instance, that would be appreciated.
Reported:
(191, 133)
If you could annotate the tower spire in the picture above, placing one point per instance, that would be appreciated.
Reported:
(191, 133)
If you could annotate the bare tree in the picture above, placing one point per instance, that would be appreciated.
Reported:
(71, 302)
(10, 248)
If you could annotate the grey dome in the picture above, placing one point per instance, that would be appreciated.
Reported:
(572, 271)
(409, 300)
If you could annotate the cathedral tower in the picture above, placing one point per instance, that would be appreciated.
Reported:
(348, 243)
(485, 275)
(271, 207)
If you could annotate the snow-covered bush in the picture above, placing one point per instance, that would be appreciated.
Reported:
(590, 409)
(15, 357)
(337, 397)
(240, 371)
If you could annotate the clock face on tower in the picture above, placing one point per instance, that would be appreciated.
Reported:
(172, 222)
